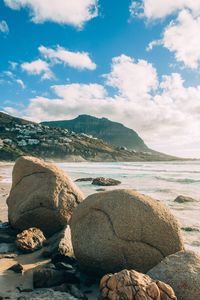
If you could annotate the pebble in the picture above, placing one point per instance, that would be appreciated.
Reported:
(17, 268)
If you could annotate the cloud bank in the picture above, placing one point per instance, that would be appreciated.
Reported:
(75, 13)
(159, 110)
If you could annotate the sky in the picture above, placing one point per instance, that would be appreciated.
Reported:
(135, 62)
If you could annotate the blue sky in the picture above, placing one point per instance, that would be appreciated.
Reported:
(59, 60)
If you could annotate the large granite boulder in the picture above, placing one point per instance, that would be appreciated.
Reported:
(123, 229)
(42, 196)
(135, 286)
(182, 271)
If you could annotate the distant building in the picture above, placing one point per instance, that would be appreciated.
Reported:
(33, 142)
(22, 143)
(8, 141)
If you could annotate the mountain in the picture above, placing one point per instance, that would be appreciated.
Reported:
(110, 132)
(21, 137)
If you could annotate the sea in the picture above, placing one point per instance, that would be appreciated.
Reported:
(162, 180)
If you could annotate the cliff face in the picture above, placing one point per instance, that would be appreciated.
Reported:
(111, 132)
(21, 137)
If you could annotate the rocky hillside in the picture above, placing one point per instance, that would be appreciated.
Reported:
(21, 137)
(110, 132)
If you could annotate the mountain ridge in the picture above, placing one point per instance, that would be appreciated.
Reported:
(22, 137)
(109, 131)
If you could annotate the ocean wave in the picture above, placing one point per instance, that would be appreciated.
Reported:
(179, 180)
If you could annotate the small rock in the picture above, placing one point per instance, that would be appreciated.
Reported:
(134, 286)
(184, 199)
(76, 292)
(84, 179)
(30, 240)
(63, 266)
(100, 190)
(61, 258)
(48, 277)
(8, 255)
(105, 181)
(17, 268)
(26, 290)
(190, 229)
(61, 288)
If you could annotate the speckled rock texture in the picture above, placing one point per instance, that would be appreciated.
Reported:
(123, 229)
(182, 271)
(42, 196)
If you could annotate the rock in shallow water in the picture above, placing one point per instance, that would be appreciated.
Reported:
(132, 285)
(84, 179)
(123, 229)
(184, 199)
(30, 240)
(42, 196)
(101, 181)
(182, 271)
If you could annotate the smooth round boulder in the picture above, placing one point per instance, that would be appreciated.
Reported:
(123, 229)
(182, 272)
(42, 196)
(129, 284)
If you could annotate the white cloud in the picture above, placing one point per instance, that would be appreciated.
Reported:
(181, 37)
(165, 117)
(74, 13)
(132, 78)
(78, 60)
(20, 83)
(156, 9)
(38, 67)
(13, 65)
(4, 27)
(153, 44)
(13, 79)
(11, 110)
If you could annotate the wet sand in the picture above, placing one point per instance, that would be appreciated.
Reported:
(4, 190)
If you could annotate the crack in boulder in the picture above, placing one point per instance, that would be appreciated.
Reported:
(123, 239)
